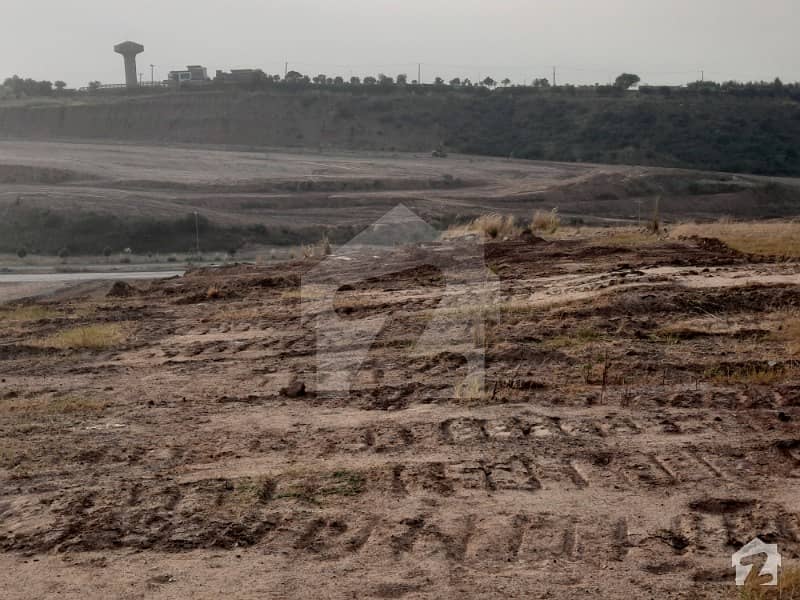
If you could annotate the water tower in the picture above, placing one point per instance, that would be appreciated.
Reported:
(129, 50)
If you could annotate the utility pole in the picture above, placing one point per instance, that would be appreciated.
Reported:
(285, 69)
(197, 232)
(702, 75)
(152, 76)
(419, 73)
(554, 77)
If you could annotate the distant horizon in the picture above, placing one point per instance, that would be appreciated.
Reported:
(664, 43)
(481, 73)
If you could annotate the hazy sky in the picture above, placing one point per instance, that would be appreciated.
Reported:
(664, 41)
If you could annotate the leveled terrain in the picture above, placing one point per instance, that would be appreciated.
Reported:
(638, 425)
(85, 198)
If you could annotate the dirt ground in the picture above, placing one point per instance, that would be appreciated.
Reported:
(296, 189)
(637, 426)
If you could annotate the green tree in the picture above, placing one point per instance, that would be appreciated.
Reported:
(355, 80)
(626, 81)
(402, 79)
(455, 82)
(60, 85)
(542, 82)
(489, 82)
(438, 81)
(506, 82)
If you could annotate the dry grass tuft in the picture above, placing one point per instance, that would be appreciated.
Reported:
(319, 250)
(492, 226)
(751, 374)
(52, 406)
(788, 587)
(546, 221)
(92, 337)
(767, 239)
(26, 314)
(214, 293)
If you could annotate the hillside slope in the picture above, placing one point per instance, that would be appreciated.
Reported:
(754, 135)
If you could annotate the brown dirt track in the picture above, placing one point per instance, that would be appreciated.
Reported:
(294, 189)
(176, 464)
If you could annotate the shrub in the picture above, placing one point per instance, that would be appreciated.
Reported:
(22, 253)
(495, 226)
(546, 221)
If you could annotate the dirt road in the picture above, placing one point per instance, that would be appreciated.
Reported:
(278, 187)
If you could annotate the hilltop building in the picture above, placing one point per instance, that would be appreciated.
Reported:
(192, 74)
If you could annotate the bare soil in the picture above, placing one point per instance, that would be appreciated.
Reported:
(301, 189)
(639, 425)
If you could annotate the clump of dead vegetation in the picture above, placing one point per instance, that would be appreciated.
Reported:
(770, 373)
(42, 405)
(26, 314)
(319, 250)
(88, 337)
(788, 587)
(547, 221)
(492, 227)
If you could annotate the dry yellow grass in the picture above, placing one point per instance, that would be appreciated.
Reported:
(25, 314)
(751, 374)
(788, 587)
(546, 221)
(768, 239)
(92, 337)
(627, 237)
(51, 406)
(492, 226)
(319, 250)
